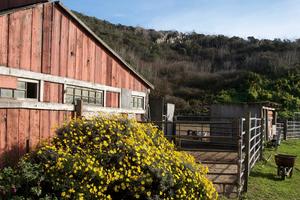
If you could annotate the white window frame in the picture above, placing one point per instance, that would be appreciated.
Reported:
(37, 90)
(86, 88)
(138, 96)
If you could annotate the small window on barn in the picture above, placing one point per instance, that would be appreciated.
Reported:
(88, 96)
(137, 102)
(26, 89)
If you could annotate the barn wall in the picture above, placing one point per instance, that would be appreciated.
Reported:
(53, 92)
(112, 100)
(33, 127)
(46, 40)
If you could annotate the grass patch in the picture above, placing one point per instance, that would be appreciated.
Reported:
(265, 184)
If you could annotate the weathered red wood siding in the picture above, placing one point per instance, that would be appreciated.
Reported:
(53, 92)
(34, 127)
(45, 39)
(112, 100)
(9, 82)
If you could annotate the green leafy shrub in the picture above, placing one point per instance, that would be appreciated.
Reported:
(115, 158)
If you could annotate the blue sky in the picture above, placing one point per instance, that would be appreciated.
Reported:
(258, 18)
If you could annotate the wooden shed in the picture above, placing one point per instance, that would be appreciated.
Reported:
(263, 110)
(49, 60)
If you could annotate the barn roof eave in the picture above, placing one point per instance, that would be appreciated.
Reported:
(150, 85)
(105, 45)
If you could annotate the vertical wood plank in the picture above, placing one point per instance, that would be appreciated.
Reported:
(44, 125)
(85, 58)
(36, 48)
(3, 135)
(79, 60)
(47, 92)
(23, 130)
(56, 42)
(12, 135)
(34, 128)
(47, 30)
(60, 93)
(104, 67)
(14, 40)
(131, 85)
(117, 75)
(98, 65)
(53, 123)
(127, 79)
(88, 59)
(25, 43)
(109, 71)
(113, 74)
(72, 51)
(53, 93)
(64, 46)
(122, 78)
(92, 63)
(3, 39)
(61, 118)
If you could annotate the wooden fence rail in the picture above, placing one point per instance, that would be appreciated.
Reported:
(288, 129)
(250, 148)
(293, 129)
(243, 136)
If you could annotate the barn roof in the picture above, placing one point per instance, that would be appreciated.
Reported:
(96, 37)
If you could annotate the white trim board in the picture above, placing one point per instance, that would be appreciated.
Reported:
(10, 104)
(54, 79)
(24, 104)
(95, 109)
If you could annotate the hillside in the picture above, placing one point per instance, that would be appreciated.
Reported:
(194, 70)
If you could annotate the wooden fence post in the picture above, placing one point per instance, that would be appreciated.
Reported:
(247, 148)
(79, 108)
(285, 129)
(261, 138)
(240, 153)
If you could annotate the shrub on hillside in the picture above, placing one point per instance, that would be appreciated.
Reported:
(114, 158)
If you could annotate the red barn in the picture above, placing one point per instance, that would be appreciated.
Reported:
(49, 60)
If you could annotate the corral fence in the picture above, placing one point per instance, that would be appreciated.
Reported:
(250, 148)
(242, 138)
(288, 129)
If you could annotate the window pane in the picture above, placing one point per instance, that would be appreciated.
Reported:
(32, 90)
(92, 94)
(135, 102)
(21, 85)
(85, 99)
(70, 99)
(77, 98)
(6, 93)
(139, 103)
(92, 100)
(19, 94)
(78, 92)
(99, 95)
(99, 102)
(70, 91)
(85, 93)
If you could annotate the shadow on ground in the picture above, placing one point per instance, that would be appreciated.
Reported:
(270, 176)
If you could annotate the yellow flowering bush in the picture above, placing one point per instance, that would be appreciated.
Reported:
(112, 157)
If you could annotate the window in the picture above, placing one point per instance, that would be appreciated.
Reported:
(88, 96)
(26, 89)
(137, 102)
